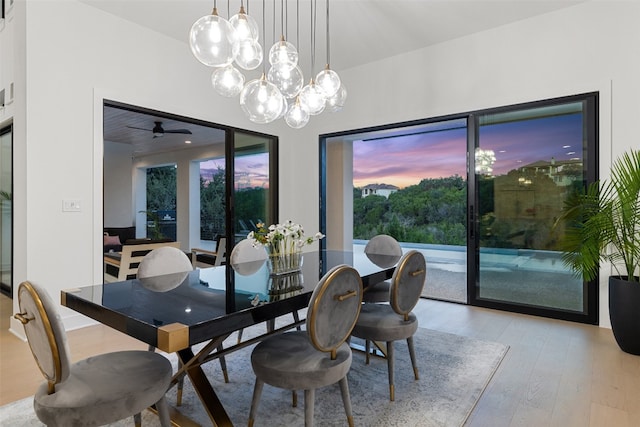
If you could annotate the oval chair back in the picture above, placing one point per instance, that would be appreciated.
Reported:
(45, 333)
(383, 250)
(334, 308)
(408, 282)
(164, 260)
(246, 259)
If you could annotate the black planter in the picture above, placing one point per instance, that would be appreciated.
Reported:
(624, 312)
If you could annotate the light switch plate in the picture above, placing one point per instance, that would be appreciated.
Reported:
(71, 205)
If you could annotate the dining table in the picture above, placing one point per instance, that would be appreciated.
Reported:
(192, 313)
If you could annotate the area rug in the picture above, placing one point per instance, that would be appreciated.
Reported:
(454, 371)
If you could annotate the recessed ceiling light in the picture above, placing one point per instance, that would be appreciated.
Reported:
(570, 153)
(566, 146)
(187, 142)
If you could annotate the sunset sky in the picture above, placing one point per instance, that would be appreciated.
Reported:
(405, 160)
(251, 170)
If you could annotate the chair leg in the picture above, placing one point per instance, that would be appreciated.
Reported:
(223, 365)
(392, 390)
(180, 386)
(137, 420)
(271, 325)
(297, 319)
(163, 412)
(257, 391)
(346, 399)
(367, 350)
(294, 398)
(412, 354)
(240, 336)
(309, 402)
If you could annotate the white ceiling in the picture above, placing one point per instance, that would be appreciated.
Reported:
(362, 31)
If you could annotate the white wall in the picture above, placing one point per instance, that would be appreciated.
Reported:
(118, 185)
(76, 55)
(589, 47)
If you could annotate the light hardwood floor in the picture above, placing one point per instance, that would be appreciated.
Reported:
(555, 374)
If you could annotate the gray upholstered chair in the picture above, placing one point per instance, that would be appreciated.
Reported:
(95, 391)
(319, 356)
(246, 259)
(395, 321)
(158, 271)
(384, 251)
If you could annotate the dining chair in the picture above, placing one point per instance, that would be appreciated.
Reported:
(395, 321)
(384, 251)
(95, 391)
(129, 261)
(246, 259)
(158, 271)
(319, 356)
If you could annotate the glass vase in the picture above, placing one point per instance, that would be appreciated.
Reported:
(285, 263)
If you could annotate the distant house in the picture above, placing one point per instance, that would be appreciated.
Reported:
(562, 172)
(379, 190)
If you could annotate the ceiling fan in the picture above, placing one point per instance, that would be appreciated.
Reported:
(159, 131)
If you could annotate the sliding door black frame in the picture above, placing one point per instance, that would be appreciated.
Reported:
(590, 169)
(590, 314)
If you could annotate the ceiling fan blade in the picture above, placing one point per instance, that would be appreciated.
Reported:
(184, 131)
(133, 127)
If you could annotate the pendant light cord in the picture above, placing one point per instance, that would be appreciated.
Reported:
(328, 38)
(313, 36)
(264, 38)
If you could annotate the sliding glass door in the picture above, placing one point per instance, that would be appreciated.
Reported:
(528, 161)
(478, 193)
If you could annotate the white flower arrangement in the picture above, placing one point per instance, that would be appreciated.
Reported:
(281, 239)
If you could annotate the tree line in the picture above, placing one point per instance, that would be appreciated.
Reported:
(432, 211)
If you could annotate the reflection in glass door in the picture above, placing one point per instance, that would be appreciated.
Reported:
(528, 161)
(6, 195)
(254, 183)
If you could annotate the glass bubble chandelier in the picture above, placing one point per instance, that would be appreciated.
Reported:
(232, 48)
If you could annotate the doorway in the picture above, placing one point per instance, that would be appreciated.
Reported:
(188, 167)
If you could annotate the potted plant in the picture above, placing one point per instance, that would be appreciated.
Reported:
(603, 225)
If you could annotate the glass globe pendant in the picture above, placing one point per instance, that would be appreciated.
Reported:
(297, 116)
(329, 81)
(244, 26)
(211, 40)
(313, 98)
(288, 80)
(247, 54)
(284, 109)
(336, 102)
(284, 54)
(261, 100)
(227, 81)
